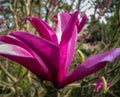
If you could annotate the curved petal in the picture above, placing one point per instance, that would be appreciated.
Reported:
(67, 47)
(82, 23)
(67, 54)
(44, 29)
(69, 29)
(70, 47)
(46, 50)
(62, 21)
(91, 65)
(23, 57)
(12, 40)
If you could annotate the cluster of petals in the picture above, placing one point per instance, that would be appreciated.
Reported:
(50, 54)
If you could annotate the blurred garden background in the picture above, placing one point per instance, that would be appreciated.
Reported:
(101, 33)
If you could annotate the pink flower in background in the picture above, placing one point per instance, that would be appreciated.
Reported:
(2, 20)
(80, 37)
(100, 7)
(1, 8)
(49, 55)
(54, 2)
(100, 84)
(108, 3)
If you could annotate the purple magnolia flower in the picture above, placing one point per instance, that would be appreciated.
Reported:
(49, 55)
(108, 3)
(102, 83)
(1, 8)
(2, 20)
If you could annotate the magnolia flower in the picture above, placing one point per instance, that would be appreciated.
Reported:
(54, 2)
(49, 55)
(2, 20)
(1, 8)
(101, 83)
(108, 3)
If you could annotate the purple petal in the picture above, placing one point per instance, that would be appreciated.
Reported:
(12, 40)
(23, 57)
(46, 50)
(82, 23)
(62, 21)
(98, 84)
(67, 51)
(91, 65)
(14, 50)
(69, 29)
(99, 87)
(44, 29)
(70, 47)
(67, 54)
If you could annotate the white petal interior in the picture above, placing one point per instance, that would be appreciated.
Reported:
(59, 29)
(13, 50)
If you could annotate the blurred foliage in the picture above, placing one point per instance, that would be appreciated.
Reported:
(98, 36)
